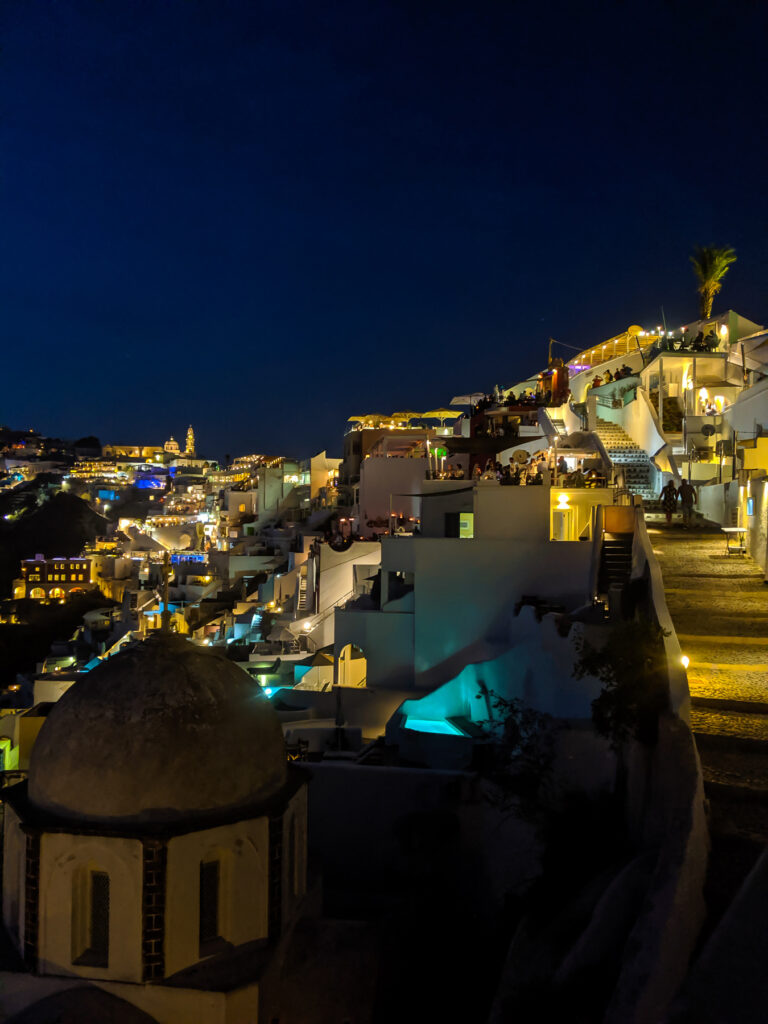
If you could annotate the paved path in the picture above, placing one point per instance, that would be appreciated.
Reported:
(719, 605)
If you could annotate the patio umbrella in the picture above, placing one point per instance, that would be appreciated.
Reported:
(442, 415)
(408, 415)
(469, 399)
(355, 419)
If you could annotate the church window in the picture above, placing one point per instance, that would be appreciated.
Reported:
(209, 907)
(90, 919)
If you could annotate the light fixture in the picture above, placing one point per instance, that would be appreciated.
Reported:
(686, 661)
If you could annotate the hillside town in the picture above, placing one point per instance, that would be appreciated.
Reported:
(478, 697)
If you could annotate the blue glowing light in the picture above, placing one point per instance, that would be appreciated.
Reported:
(432, 725)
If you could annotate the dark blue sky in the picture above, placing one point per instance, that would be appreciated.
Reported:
(265, 217)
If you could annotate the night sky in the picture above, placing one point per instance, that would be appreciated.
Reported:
(262, 218)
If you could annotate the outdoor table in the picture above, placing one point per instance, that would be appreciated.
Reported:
(735, 539)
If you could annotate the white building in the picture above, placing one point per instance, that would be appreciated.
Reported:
(159, 841)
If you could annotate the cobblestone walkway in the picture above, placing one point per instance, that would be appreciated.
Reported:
(719, 605)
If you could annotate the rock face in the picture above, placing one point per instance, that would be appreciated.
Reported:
(163, 732)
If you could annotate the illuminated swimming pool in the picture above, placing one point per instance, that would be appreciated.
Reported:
(437, 725)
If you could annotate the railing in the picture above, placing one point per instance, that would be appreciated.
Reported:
(597, 548)
(262, 647)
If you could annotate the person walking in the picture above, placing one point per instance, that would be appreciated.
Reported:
(687, 495)
(668, 498)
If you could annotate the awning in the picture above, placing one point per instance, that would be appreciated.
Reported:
(469, 399)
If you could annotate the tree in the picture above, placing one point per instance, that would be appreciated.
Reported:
(632, 667)
(518, 759)
(710, 265)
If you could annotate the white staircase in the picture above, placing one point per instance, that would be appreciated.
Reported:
(558, 423)
(627, 457)
(302, 601)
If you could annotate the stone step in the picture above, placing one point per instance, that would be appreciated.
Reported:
(730, 729)
(753, 707)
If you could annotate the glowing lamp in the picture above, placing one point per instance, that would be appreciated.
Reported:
(307, 626)
(562, 500)
(686, 661)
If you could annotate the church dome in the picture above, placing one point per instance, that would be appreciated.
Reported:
(164, 731)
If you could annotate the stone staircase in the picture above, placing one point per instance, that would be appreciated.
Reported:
(627, 457)
(615, 561)
(673, 414)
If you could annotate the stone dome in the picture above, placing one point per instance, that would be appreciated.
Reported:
(162, 732)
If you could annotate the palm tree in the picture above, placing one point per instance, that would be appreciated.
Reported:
(710, 265)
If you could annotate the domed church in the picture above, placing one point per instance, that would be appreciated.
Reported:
(157, 850)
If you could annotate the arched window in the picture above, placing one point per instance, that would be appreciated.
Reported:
(37, 593)
(90, 918)
(209, 927)
(56, 592)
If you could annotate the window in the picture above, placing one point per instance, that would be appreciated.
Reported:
(209, 937)
(460, 524)
(90, 919)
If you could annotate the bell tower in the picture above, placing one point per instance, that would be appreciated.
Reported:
(190, 449)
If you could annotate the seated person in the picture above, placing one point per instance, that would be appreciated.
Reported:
(575, 479)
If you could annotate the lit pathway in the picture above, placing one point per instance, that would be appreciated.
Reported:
(719, 605)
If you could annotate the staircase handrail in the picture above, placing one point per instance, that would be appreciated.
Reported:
(322, 616)
(598, 520)
(666, 447)
(601, 449)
